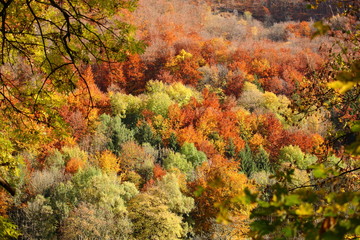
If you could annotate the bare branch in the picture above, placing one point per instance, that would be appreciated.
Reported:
(325, 180)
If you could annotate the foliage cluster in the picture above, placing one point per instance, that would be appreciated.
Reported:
(182, 141)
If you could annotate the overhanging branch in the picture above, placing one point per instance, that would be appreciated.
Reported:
(7, 186)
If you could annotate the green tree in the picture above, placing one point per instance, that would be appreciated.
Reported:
(144, 134)
(162, 211)
(111, 133)
(248, 165)
(179, 161)
(128, 107)
(262, 160)
(173, 143)
(168, 189)
(230, 150)
(159, 103)
(293, 154)
(181, 94)
(192, 154)
(96, 195)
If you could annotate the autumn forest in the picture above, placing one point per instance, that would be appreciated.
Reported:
(179, 119)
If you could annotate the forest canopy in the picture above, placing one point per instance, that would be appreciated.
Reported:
(177, 119)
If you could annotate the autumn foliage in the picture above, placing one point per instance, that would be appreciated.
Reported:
(164, 144)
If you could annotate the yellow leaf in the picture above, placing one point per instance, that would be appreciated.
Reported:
(340, 86)
(305, 209)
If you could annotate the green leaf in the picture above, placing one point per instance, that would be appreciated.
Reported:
(356, 126)
(357, 231)
(8, 230)
(292, 200)
(288, 231)
(319, 171)
(262, 227)
(330, 235)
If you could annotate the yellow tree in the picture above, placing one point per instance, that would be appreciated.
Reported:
(218, 181)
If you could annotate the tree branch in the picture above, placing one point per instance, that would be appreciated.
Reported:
(329, 178)
(7, 186)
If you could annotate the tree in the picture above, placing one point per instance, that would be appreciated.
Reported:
(134, 158)
(262, 160)
(160, 212)
(39, 221)
(58, 36)
(90, 222)
(336, 86)
(192, 154)
(111, 133)
(7, 229)
(43, 48)
(219, 180)
(248, 165)
(317, 208)
(108, 162)
(184, 67)
(294, 155)
(152, 219)
(96, 196)
(52, 41)
(312, 211)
